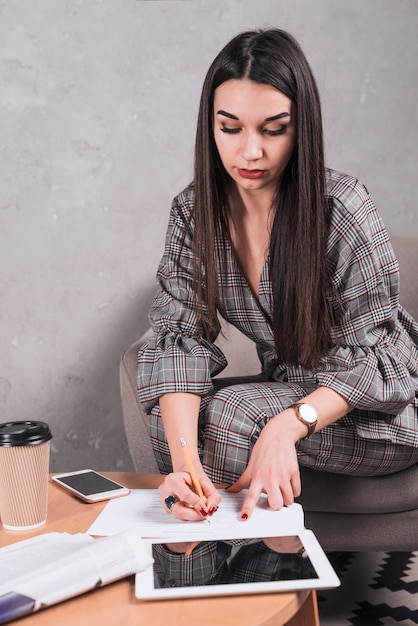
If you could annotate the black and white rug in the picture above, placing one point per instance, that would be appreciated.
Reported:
(377, 589)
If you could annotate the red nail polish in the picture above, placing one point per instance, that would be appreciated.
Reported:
(203, 512)
(212, 510)
(244, 516)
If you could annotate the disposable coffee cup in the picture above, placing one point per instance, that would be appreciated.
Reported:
(24, 469)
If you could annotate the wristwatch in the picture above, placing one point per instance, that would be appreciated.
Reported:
(307, 415)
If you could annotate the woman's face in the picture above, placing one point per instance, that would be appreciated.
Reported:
(254, 127)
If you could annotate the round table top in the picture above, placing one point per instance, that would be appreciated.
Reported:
(116, 603)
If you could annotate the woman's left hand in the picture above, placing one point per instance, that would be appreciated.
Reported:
(273, 467)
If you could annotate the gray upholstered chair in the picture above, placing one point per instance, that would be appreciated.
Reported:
(346, 513)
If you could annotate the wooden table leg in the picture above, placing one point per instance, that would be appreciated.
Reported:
(308, 613)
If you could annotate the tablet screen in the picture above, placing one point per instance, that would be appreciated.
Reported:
(242, 565)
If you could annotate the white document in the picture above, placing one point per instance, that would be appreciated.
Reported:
(143, 511)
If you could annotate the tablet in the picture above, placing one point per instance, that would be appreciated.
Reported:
(244, 565)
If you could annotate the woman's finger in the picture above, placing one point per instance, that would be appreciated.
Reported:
(187, 513)
(179, 498)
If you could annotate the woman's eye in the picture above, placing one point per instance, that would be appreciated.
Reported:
(277, 131)
(226, 129)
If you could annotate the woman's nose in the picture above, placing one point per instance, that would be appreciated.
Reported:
(253, 147)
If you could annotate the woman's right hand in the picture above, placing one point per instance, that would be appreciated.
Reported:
(188, 505)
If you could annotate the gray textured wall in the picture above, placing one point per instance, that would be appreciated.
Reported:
(98, 101)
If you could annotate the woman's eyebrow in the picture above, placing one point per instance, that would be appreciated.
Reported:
(277, 117)
(226, 114)
(268, 119)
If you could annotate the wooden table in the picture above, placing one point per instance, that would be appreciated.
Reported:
(116, 604)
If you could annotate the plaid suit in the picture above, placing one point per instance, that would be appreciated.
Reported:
(373, 362)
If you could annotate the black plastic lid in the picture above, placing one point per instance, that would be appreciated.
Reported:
(24, 433)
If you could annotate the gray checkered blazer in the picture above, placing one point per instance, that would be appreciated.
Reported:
(374, 359)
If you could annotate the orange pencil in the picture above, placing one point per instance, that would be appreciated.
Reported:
(196, 484)
(192, 470)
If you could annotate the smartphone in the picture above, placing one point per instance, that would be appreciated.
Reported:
(90, 486)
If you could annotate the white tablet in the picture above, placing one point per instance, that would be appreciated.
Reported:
(250, 565)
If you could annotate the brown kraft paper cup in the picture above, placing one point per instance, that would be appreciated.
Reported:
(24, 470)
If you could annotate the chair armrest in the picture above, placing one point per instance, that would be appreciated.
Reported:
(406, 249)
(135, 419)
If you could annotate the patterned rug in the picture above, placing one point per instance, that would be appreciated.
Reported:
(377, 588)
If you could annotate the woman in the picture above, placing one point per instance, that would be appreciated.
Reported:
(297, 257)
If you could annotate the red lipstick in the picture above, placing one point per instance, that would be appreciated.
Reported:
(251, 173)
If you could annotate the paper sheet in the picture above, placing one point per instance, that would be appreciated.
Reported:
(143, 510)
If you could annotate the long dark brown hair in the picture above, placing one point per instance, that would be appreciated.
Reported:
(297, 250)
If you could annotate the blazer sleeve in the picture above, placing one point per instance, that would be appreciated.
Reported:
(374, 361)
(177, 358)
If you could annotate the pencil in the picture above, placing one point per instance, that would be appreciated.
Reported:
(196, 484)
(192, 470)
(191, 548)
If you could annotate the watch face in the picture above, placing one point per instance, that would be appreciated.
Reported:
(308, 413)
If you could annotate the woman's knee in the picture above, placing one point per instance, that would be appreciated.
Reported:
(253, 402)
(231, 408)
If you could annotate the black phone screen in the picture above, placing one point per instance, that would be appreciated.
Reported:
(88, 483)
